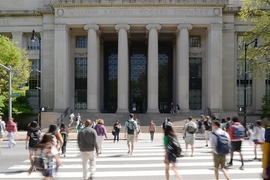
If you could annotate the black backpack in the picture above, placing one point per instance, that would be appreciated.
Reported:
(174, 147)
(34, 139)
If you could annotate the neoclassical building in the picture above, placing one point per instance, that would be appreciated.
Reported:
(103, 56)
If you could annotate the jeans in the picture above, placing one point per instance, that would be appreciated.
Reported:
(152, 135)
(116, 135)
(91, 157)
(100, 142)
(64, 147)
(10, 139)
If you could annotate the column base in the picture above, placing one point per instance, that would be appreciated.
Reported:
(152, 111)
(122, 111)
(184, 111)
(92, 110)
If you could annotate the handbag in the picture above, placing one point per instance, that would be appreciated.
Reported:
(113, 132)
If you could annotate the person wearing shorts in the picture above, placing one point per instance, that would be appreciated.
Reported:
(219, 160)
(235, 143)
(130, 136)
(189, 137)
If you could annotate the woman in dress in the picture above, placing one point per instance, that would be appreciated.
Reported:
(116, 129)
(152, 129)
(101, 131)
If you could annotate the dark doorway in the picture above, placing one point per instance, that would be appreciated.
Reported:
(110, 77)
(165, 75)
(138, 76)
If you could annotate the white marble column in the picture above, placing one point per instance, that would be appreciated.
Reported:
(152, 68)
(182, 67)
(92, 68)
(61, 65)
(123, 68)
(18, 37)
(214, 68)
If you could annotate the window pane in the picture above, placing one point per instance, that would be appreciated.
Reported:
(195, 41)
(32, 45)
(81, 41)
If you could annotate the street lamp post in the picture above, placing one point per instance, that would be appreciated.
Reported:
(9, 70)
(33, 39)
(255, 41)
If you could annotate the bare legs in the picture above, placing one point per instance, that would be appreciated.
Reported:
(224, 172)
(167, 168)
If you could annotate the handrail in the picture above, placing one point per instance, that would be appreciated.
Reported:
(62, 117)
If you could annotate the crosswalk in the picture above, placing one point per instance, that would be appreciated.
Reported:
(146, 163)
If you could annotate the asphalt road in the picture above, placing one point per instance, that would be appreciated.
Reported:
(146, 163)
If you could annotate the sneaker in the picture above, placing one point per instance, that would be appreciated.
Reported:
(206, 145)
(242, 167)
(229, 164)
(128, 151)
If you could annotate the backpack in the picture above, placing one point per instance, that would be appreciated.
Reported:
(131, 127)
(174, 147)
(34, 139)
(238, 131)
(223, 146)
(64, 135)
(40, 159)
(191, 128)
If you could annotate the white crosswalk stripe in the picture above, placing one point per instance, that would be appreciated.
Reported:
(147, 162)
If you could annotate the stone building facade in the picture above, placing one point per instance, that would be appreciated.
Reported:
(104, 56)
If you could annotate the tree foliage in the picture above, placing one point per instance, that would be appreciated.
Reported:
(11, 55)
(265, 107)
(257, 13)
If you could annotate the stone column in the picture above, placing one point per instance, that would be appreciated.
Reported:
(18, 37)
(214, 68)
(92, 68)
(61, 64)
(182, 67)
(152, 68)
(123, 68)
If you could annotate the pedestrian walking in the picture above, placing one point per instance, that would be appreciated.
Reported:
(78, 120)
(57, 138)
(189, 132)
(208, 129)
(152, 130)
(64, 134)
(258, 134)
(71, 119)
(80, 127)
(11, 129)
(31, 141)
(219, 151)
(266, 153)
(116, 130)
(169, 157)
(47, 149)
(130, 133)
(237, 134)
(199, 125)
(177, 109)
(101, 132)
(172, 109)
(2, 129)
(88, 145)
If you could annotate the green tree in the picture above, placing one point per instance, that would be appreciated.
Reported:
(257, 13)
(11, 55)
(265, 107)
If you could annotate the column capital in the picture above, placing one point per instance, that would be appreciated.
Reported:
(61, 27)
(181, 26)
(122, 26)
(150, 26)
(215, 26)
(91, 26)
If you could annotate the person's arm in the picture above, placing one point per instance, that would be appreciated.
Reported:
(26, 141)
(184, 131)
(105, 132)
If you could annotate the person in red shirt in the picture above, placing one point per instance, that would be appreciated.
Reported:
(11, 129)
(235, 143)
